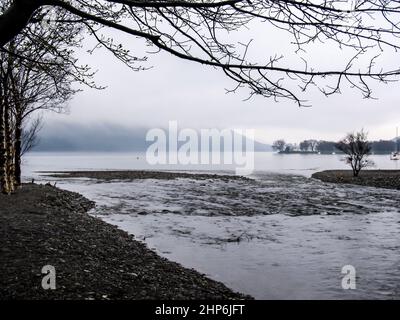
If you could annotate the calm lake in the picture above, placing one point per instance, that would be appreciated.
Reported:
(281, 235)
(263, 161)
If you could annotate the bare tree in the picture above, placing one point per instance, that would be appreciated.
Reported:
(304, 145)
(6, 172)
(26, 87)
(357, 148)
(25, 138)
(313, 144)
(30, 137)
(198, 31)
(290, 147)
(2, 150)
(279, 145)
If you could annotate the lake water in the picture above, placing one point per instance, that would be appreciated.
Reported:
(263, 161)
(281, 235)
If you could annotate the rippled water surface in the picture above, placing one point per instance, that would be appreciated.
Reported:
(278, 236)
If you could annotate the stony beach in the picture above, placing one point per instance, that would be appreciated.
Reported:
(129, 175)
(43, 225)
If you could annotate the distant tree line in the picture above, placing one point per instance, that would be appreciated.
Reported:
(328, 147)
(355, 147)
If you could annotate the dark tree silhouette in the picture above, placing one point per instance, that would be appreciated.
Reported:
(326, 146)
(304, 145)
(357, 148)
(2, 150)
(279, 145)
(383, 146)
(199, 31)
(313, 144)
(27, 87)
(29, 136)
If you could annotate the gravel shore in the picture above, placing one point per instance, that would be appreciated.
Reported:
(43, 225)
(388, 179)
(129, 175)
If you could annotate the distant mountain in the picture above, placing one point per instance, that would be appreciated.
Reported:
(103, 137)
(262, 147)
(59, 137)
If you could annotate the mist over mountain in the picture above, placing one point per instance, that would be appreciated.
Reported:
(105, 137)
(100, 137)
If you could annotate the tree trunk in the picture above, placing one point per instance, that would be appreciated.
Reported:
(2, 149)
(357, 168)
(8, 146)
(17, 150)
(15, 18)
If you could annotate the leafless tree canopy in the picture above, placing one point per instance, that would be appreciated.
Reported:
(279, 145)
(199, 31)
(30, 138)
(34, 76)
(357, 148)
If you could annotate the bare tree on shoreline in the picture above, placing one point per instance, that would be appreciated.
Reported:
(27, 87)
(357, 148)
(279, 145)
(197, 31)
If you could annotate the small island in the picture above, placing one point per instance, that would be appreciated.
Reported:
(314, 146)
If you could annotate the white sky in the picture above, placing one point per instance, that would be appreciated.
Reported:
(195, 96)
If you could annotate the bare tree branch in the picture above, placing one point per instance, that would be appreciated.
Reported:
(198, 31)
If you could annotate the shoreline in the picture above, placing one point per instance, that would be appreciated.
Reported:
(129, 175)
(386, 179)
(43, 225)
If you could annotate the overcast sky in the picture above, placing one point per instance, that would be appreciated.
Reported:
(195, 96)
